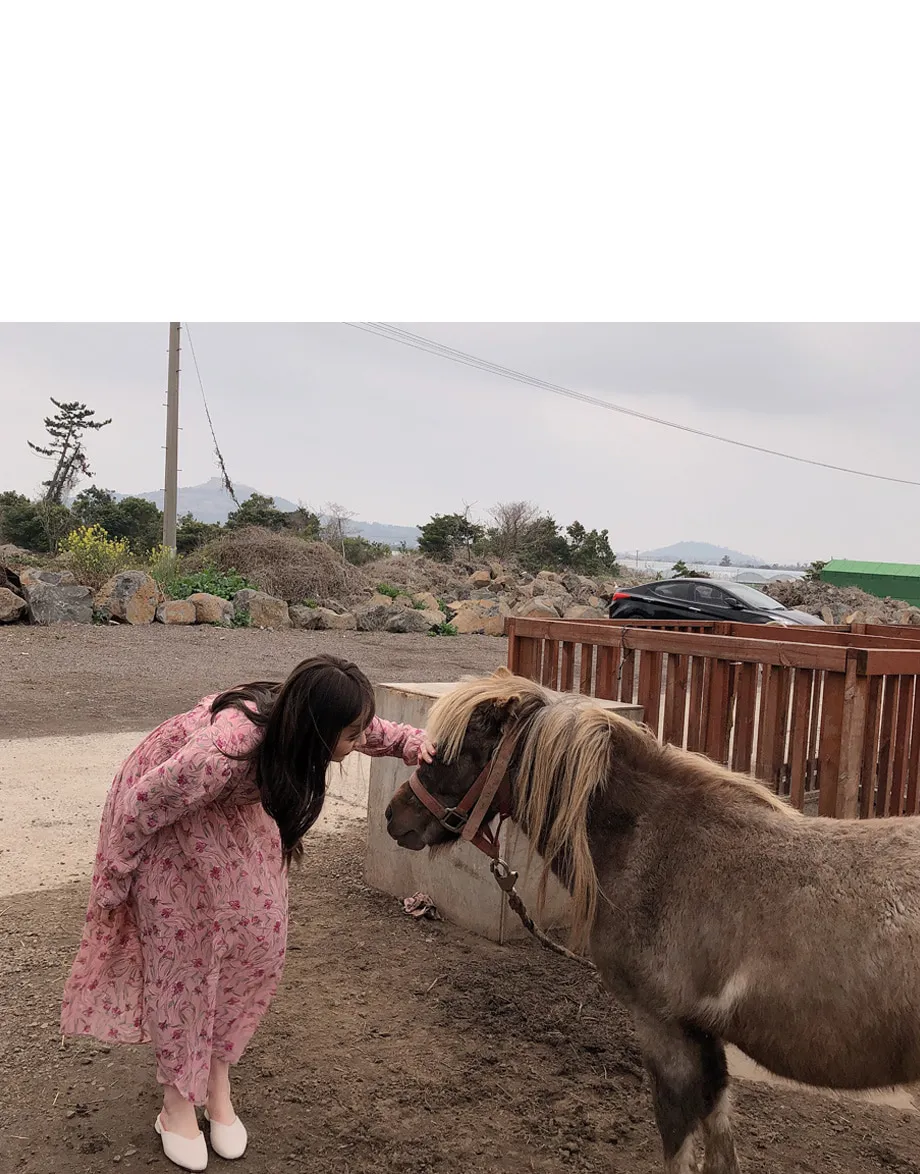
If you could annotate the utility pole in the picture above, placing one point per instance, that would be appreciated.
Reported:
(170, 488)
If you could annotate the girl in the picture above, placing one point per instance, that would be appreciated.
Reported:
(185, 934)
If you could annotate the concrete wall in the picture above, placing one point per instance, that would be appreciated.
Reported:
(458, 880)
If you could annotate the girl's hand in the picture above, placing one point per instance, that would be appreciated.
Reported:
(426, 751)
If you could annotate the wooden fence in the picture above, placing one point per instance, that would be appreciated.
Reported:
(824, 713)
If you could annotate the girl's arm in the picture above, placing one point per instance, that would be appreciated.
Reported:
(194, 776)
(389, 739)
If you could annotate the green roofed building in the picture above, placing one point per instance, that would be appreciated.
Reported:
(893, 580)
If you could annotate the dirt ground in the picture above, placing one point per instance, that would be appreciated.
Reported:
(81, 679)
(394, 1046)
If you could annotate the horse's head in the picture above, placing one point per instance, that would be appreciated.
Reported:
(468, 725)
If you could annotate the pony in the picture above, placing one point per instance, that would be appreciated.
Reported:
(713, 911)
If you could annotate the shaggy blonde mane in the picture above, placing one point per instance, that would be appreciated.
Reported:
(568, 749)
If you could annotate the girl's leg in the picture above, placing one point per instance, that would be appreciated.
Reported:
(178, 1114)
(220, 1104)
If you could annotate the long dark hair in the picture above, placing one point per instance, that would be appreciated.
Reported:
(303, 718)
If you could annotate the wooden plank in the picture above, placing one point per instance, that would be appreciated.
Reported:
(687, 644)
(897, 662)
(628, 676)
(886, 744)
(650, 689)
(785, 701)
(913, 764)
(798, 736)
(697, 707)
(514, 648)
(870, 748)
(716, 720)
(896, 795)
(567, 683)
(606, 672)
(586, 675)
(675, 700)
(550, 674)
(829, 751)
(745, 717)
(814, 729)
(853, 730)
(530, 657)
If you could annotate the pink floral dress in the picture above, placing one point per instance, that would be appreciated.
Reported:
(185, 933)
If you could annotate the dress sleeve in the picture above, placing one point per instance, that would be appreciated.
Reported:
(194, 776)
(389, 739)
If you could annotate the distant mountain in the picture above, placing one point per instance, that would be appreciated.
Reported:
(700, 552)
(210, 502)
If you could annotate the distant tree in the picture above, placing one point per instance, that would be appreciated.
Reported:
(257, 510)
(725, 561)
(133, 518)
(190, 533)
(511, 533)
(589, 551)
(445, 536)
(682, 571)
(359, 551)
(304, 522)
(65, 448)
(337, 526)
(21, 522)
(814, 569)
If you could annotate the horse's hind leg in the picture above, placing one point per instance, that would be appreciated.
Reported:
(689, 1077)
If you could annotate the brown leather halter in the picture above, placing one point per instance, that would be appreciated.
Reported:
(467, 817)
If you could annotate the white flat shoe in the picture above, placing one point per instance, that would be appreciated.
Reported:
(191, 1153)
(228, 1141)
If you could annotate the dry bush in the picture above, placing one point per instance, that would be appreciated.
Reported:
(414, 573)
(284, 565)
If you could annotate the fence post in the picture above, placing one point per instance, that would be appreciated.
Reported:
(853, 733)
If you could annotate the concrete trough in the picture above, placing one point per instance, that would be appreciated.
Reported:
(458, 881)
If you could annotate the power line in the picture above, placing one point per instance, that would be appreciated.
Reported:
(228, 485)
(418, 342)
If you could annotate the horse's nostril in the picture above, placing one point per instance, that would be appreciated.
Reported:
(389, 814)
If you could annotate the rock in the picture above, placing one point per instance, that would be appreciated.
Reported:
(32, 575)
(307, 619)
(480, 579)
(64, 604)
(211, 609)
(579, 585)
(536, 610)
(549, 577)
(340, 621)
(177, 611)
(131, 597)
(11, 581)
(580, 612)
(12, 606)
(321, 619)
(265, 611)
(914, 619)
(485, 618)
(407, 619)
(374, 617)
(434, 615)
(380, 600)
(11, 553)
(427, 600)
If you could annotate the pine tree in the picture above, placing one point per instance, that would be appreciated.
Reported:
(66, 448)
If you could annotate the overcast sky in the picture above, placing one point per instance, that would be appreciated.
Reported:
(324, 412)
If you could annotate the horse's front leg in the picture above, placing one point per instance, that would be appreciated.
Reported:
(689, 1076)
